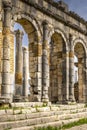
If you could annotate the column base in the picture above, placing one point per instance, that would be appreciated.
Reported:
(71, 99)
(65, 102)
(18, 89)
(71, 103)
(18, 98)
(25, 98)
(5, 100)
(45, 99)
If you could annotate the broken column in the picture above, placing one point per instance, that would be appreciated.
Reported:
(19, 63)
(25, 73)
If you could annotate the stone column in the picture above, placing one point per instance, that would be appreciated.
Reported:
(85, 89)
(45, 64)
(66, 78)
(19, 63)
(0, 6)
(1, 40)
(25, 73)
(81, 78)
(6, 87)
(71, 71)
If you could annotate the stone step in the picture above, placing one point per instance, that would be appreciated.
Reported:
(22, 115)
(57, 124)
(65, 107)
(28, 104)
(41, 109)
(40, 120)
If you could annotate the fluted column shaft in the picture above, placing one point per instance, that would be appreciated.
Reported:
(6, 87)
(45, 64)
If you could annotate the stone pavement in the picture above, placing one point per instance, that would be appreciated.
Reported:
(81, 127)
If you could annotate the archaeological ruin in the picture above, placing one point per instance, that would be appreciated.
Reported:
(46, 69)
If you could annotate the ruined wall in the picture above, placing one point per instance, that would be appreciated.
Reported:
(57, 68)
(35, 61)
(61, 19)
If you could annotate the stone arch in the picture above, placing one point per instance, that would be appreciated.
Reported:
(31, 20)
(80, 40)
(63, 35)
(58, 66)
(33, 30)
(79, 47)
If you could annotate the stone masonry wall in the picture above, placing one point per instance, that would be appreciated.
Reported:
(35, 51)
(57, 69)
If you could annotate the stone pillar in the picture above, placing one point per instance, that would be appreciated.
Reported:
(81, 77)
(45, 64)
(0, 6)
(25, 73)
(19, 63)
(6, 87)
(66, 78)
(85, 88)
(71, 72)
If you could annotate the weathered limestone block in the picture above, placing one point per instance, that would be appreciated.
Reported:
(35, 52)
(12, 54)
(18, 78)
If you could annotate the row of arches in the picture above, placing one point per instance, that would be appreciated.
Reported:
(51, 59)
(59, 63)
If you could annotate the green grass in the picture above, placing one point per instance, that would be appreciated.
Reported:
(67, 126)
(85, 105)
(4, 108)
(8, 128)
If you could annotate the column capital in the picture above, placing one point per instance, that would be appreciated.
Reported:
(70, 37)
(45, 31)
(45, 22)
(71, 42)
(7, 5)
(19, 32)
(71, 54)
(25, 49)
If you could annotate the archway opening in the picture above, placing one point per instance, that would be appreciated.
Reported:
(79, 85)
(57, 89)
(29, 41)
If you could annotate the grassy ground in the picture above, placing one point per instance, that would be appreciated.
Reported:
(80, 122)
